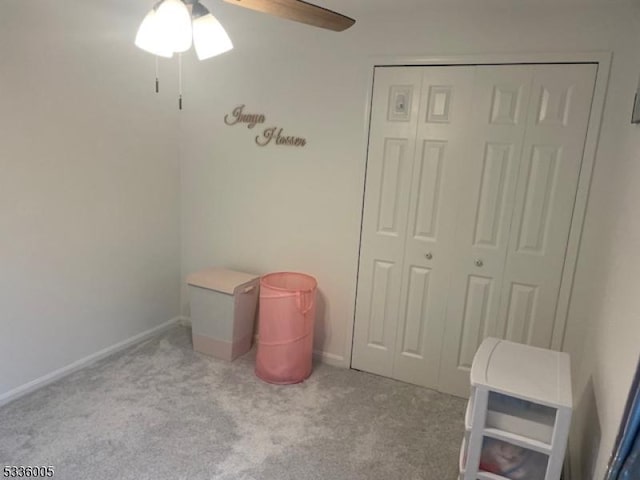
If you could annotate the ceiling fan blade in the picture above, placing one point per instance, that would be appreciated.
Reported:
(299, 11)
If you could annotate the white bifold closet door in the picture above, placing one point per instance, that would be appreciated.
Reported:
(408, 224)
(471, 181)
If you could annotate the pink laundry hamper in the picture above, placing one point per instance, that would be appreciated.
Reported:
(286, 316)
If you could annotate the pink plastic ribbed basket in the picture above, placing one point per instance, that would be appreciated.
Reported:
(285, 327)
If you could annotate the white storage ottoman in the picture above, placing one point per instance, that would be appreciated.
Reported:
(223, 311)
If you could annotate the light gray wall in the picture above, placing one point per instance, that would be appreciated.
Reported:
(606, 299)
(89, 179)
(266, 209)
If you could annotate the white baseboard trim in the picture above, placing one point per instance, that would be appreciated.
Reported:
(330, 359)
(33, 385)
(184, 321)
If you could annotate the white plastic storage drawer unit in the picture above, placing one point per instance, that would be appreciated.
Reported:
(519, 414)
(223, 310)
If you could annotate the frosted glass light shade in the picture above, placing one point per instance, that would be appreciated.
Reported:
(149, 37)
(174, 22)
(209, 37)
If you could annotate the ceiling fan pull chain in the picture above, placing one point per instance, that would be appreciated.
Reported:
(180, 81)
(157, 81)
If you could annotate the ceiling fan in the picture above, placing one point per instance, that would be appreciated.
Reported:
(173, 26)
(299, 11)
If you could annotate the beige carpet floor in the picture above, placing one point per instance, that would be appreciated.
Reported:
(160, 411)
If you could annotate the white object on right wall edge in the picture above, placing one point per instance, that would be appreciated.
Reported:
(635, 116)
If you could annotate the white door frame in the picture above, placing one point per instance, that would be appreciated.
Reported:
(603, 60)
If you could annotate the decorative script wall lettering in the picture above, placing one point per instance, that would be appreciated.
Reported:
(270, 135)
(238, 116)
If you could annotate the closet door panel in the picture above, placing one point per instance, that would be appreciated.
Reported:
(489, 221)
(443, 124)
(477, 308)
(547, 186)
(489, 175)
(392, 142)
(471, 181)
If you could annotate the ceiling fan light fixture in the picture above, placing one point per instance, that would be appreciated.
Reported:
(209, 36)
(174, 23)
(149, 37)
